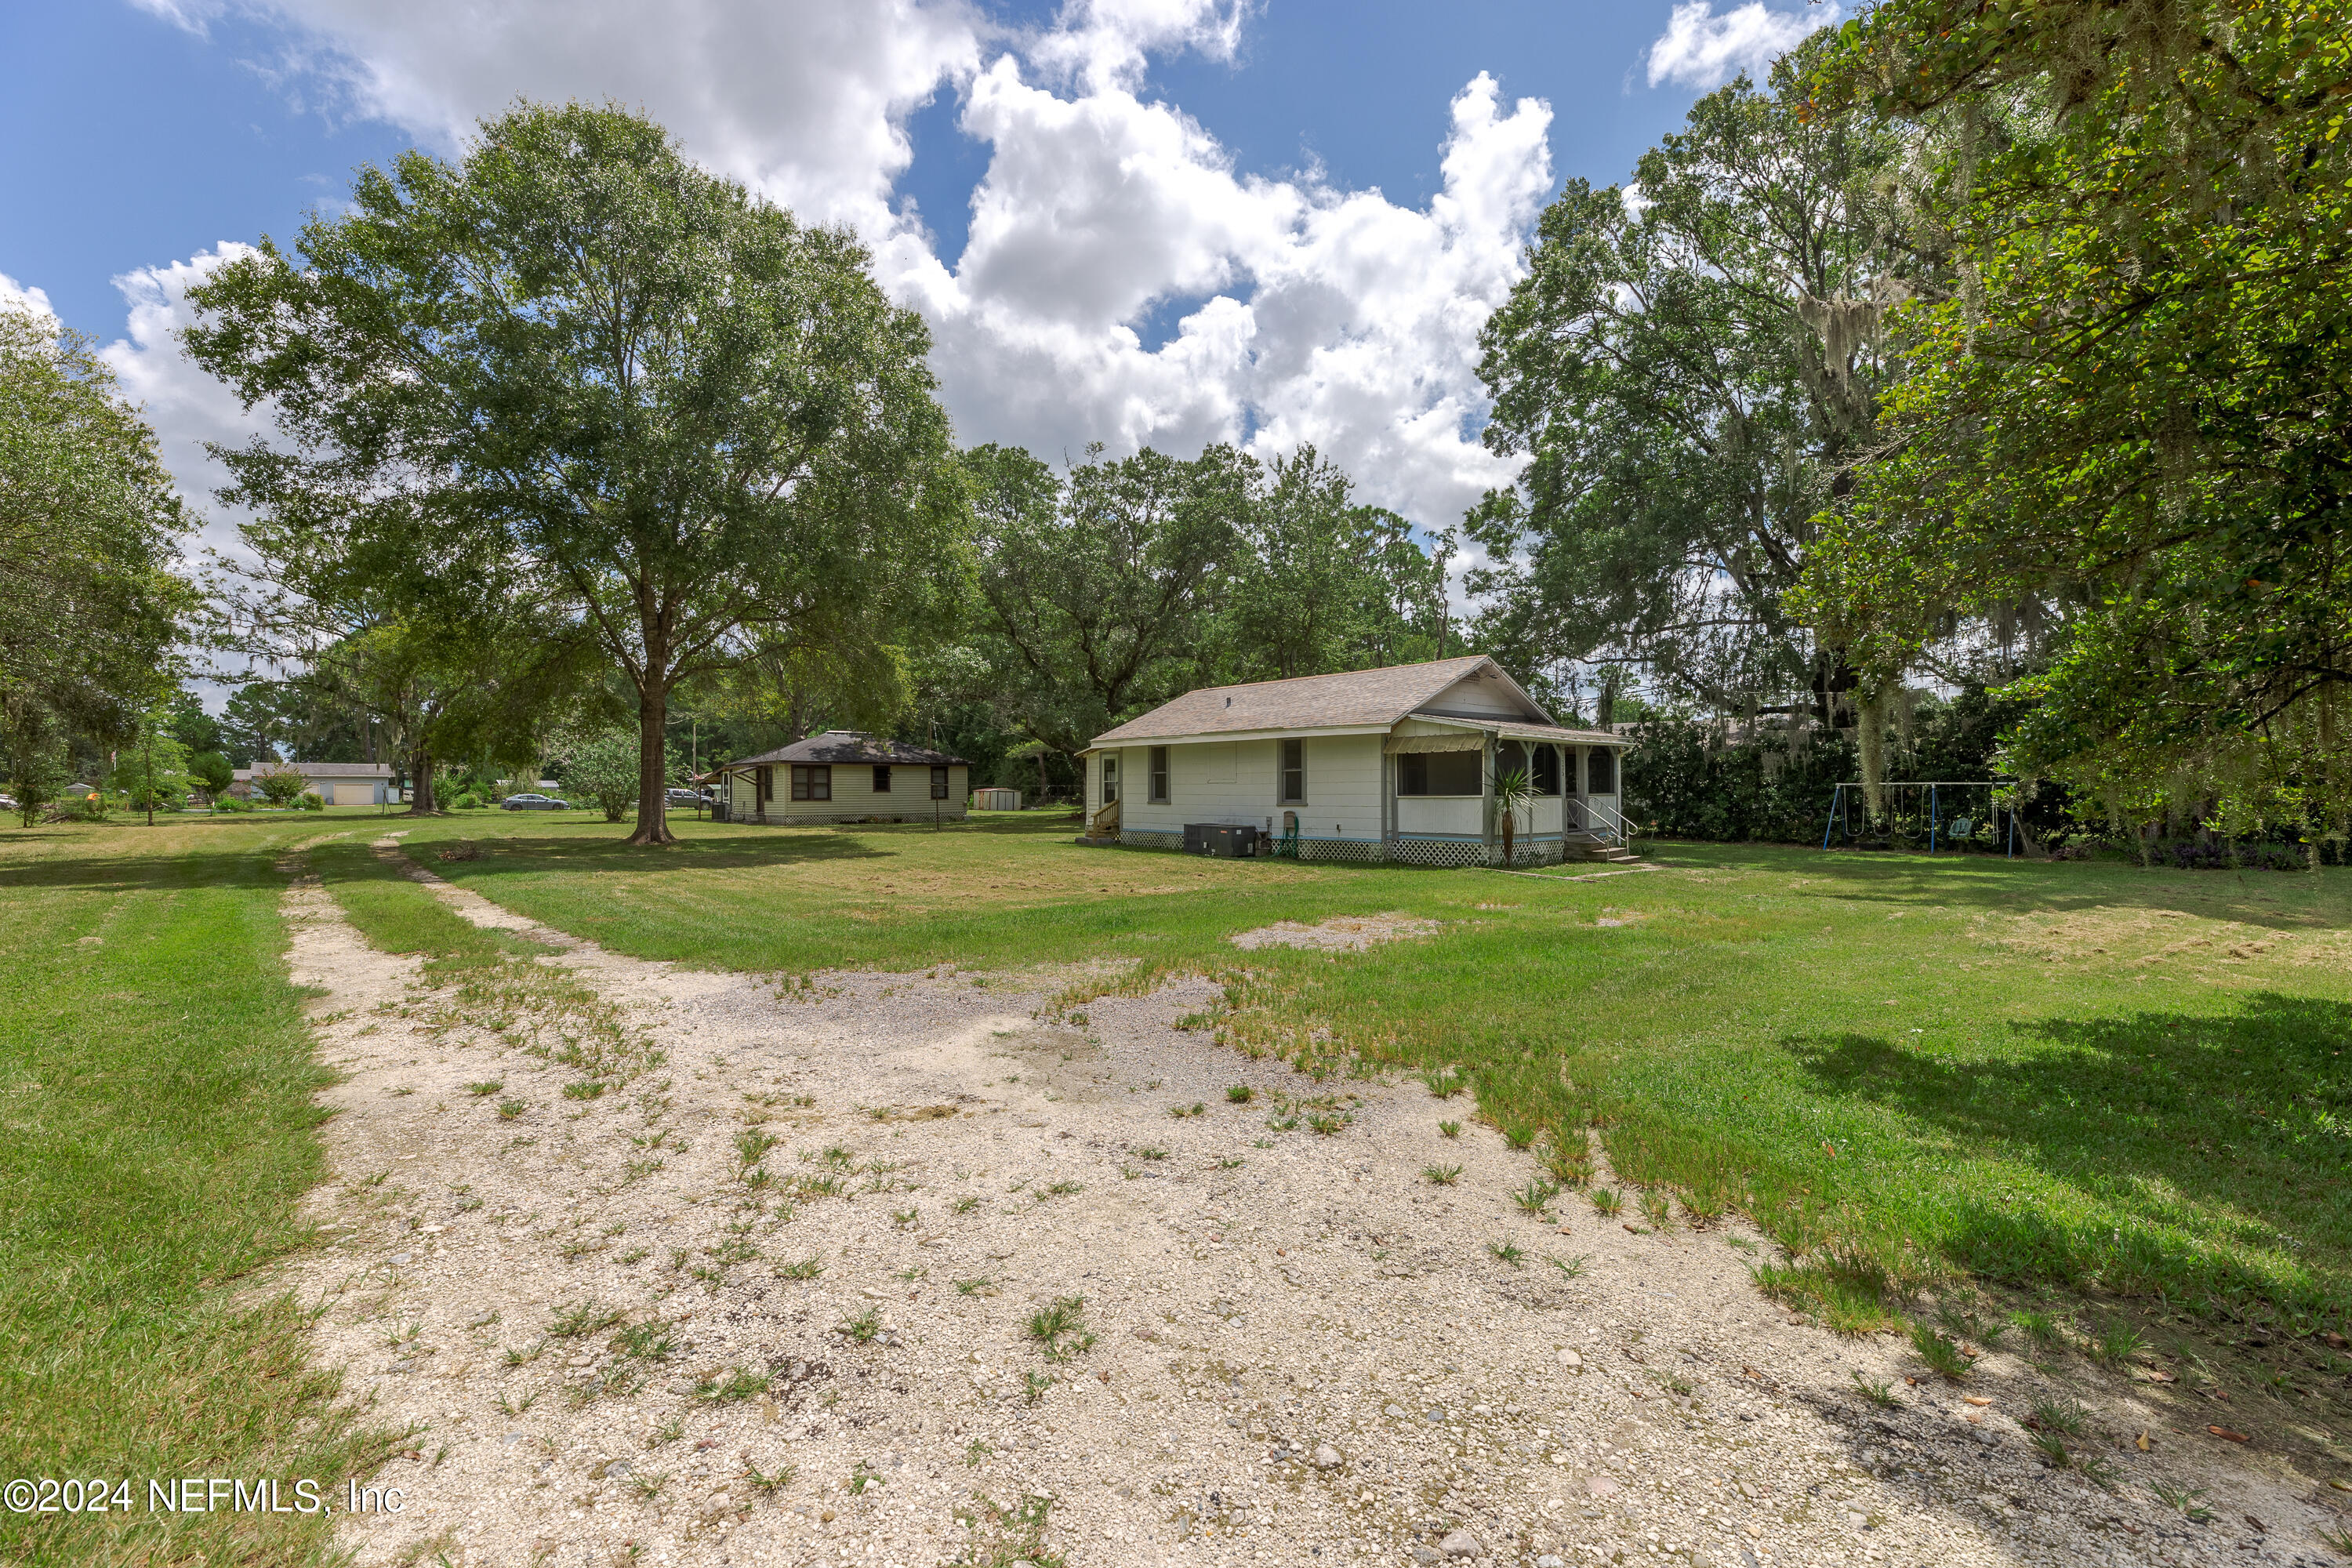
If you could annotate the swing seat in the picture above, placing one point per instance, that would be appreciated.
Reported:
(1960, 828)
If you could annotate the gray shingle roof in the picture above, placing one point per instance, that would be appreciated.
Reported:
(850, 746)
(1356, 699)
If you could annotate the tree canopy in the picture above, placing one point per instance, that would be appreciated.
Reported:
(690, 422)
(1687, 369)
(93, 603)
(1131, 581)
(2131, 406)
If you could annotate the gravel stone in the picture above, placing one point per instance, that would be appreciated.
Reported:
(1261, 1299)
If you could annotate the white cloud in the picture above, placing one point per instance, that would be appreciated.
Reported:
(186, 407)
(1315, 314)
(1102, 43)
(1310, 313)
(805, 100)
(24, 297)
(1700, 49)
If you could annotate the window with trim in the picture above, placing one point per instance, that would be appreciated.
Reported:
(1294, 772)
(1601, 770)
(1110, 777)
(881, 778)
(1438, 772)
(938, 784)
(1159, 775)
(812, 781)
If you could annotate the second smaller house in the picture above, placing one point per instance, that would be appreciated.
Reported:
(844, 776)
(337, 783)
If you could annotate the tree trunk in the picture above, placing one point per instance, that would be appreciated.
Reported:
(420, 783)
(653, 780)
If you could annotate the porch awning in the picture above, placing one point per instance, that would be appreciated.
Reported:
(1554, 735)
(1460, 740)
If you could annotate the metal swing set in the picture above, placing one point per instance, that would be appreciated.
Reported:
(1924, 810)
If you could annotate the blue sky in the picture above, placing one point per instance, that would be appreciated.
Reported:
(1164, 221)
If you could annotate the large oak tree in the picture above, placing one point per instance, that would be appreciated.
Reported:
(693, 422)
(2138, 403)
(1687, 370)
(92, 604)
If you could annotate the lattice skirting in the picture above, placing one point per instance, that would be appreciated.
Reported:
(1536, 851)
(1408, 850)
(1420, 851)
(1431, 850)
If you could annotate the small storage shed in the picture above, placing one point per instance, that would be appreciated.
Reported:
(1375, 765)
(844, 776)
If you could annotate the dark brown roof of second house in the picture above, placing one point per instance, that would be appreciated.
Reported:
(849, 746)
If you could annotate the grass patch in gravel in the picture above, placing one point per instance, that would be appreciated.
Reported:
(485, 979)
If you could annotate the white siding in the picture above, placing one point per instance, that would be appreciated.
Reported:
(1449, 814)
(854, 795)
(1238, 782)
(1472, 695)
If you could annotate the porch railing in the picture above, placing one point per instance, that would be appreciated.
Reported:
(1591, 818)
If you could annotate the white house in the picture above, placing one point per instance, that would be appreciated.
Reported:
(844, 776)
(1376, 764)
(336, 784)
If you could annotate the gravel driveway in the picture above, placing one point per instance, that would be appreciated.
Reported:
(1008, 1290)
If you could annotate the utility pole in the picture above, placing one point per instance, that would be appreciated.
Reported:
(1445, 554)
(150, 771)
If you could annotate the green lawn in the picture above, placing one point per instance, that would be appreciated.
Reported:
(2120, 1088)
(157, 1128)
(2078, 1074)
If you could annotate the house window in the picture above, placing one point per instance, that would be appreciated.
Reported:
(1294, 772)
(1437, 772)
(811, 781)
(1159, 775)
(1110, 777)
(1601, 770)
(938, 784)
(1546, 770)
(881, 778)
(767, 785)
